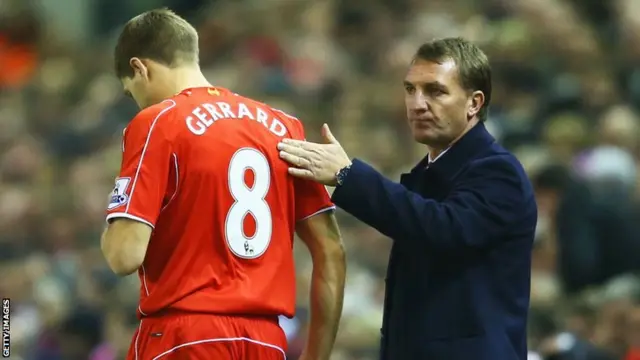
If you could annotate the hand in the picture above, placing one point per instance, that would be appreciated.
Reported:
(318, 162)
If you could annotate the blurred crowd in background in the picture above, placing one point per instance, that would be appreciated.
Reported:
(566, 101)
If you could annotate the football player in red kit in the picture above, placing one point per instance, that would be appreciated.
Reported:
(204, 210)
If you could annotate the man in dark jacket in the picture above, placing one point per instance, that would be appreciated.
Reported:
(462, 221)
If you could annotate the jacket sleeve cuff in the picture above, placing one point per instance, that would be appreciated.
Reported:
(354, 189)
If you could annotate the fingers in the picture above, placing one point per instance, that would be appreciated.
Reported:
(300, 144)
(293, 150)
(292, 142)
(294, 160)
(301, 173)
(301, 169)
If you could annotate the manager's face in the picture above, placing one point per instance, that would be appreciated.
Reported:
(437, 104)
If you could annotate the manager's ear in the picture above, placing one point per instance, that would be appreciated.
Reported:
(475, 103)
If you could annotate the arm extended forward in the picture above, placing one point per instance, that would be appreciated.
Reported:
(480, 208)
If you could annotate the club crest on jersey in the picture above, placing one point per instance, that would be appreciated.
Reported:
(119, 195)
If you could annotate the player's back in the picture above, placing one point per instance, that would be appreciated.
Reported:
(223, 240)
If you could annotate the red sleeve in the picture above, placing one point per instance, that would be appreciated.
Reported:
(311, 197)
(141, 185)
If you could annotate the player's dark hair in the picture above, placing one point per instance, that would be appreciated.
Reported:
(474, 70)
(159, 35)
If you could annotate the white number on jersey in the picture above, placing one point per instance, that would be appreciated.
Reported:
(249, 201)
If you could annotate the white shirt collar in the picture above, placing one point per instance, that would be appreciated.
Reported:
(431, 161)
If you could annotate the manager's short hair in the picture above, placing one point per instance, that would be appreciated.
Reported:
(473, 66)
(159, 35)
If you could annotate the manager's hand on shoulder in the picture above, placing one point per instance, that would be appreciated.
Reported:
(319, 162)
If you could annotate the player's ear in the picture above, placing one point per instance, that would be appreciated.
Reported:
(139, 68)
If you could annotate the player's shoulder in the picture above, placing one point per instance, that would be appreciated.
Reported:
(151, 115)
(154, 112)
(290, 122)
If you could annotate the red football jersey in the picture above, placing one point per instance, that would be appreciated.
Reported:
(202, 169)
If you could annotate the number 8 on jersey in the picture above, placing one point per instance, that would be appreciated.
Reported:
(248, 201)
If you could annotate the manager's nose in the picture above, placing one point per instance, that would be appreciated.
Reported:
(417, 104)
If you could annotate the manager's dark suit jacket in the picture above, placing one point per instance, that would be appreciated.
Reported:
(460, 266)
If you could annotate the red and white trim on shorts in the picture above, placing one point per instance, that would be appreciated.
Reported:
(205, 341)
(220, 340)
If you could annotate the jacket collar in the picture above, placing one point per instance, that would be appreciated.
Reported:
(460, 153)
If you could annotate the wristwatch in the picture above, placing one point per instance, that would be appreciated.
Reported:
(342, 174)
